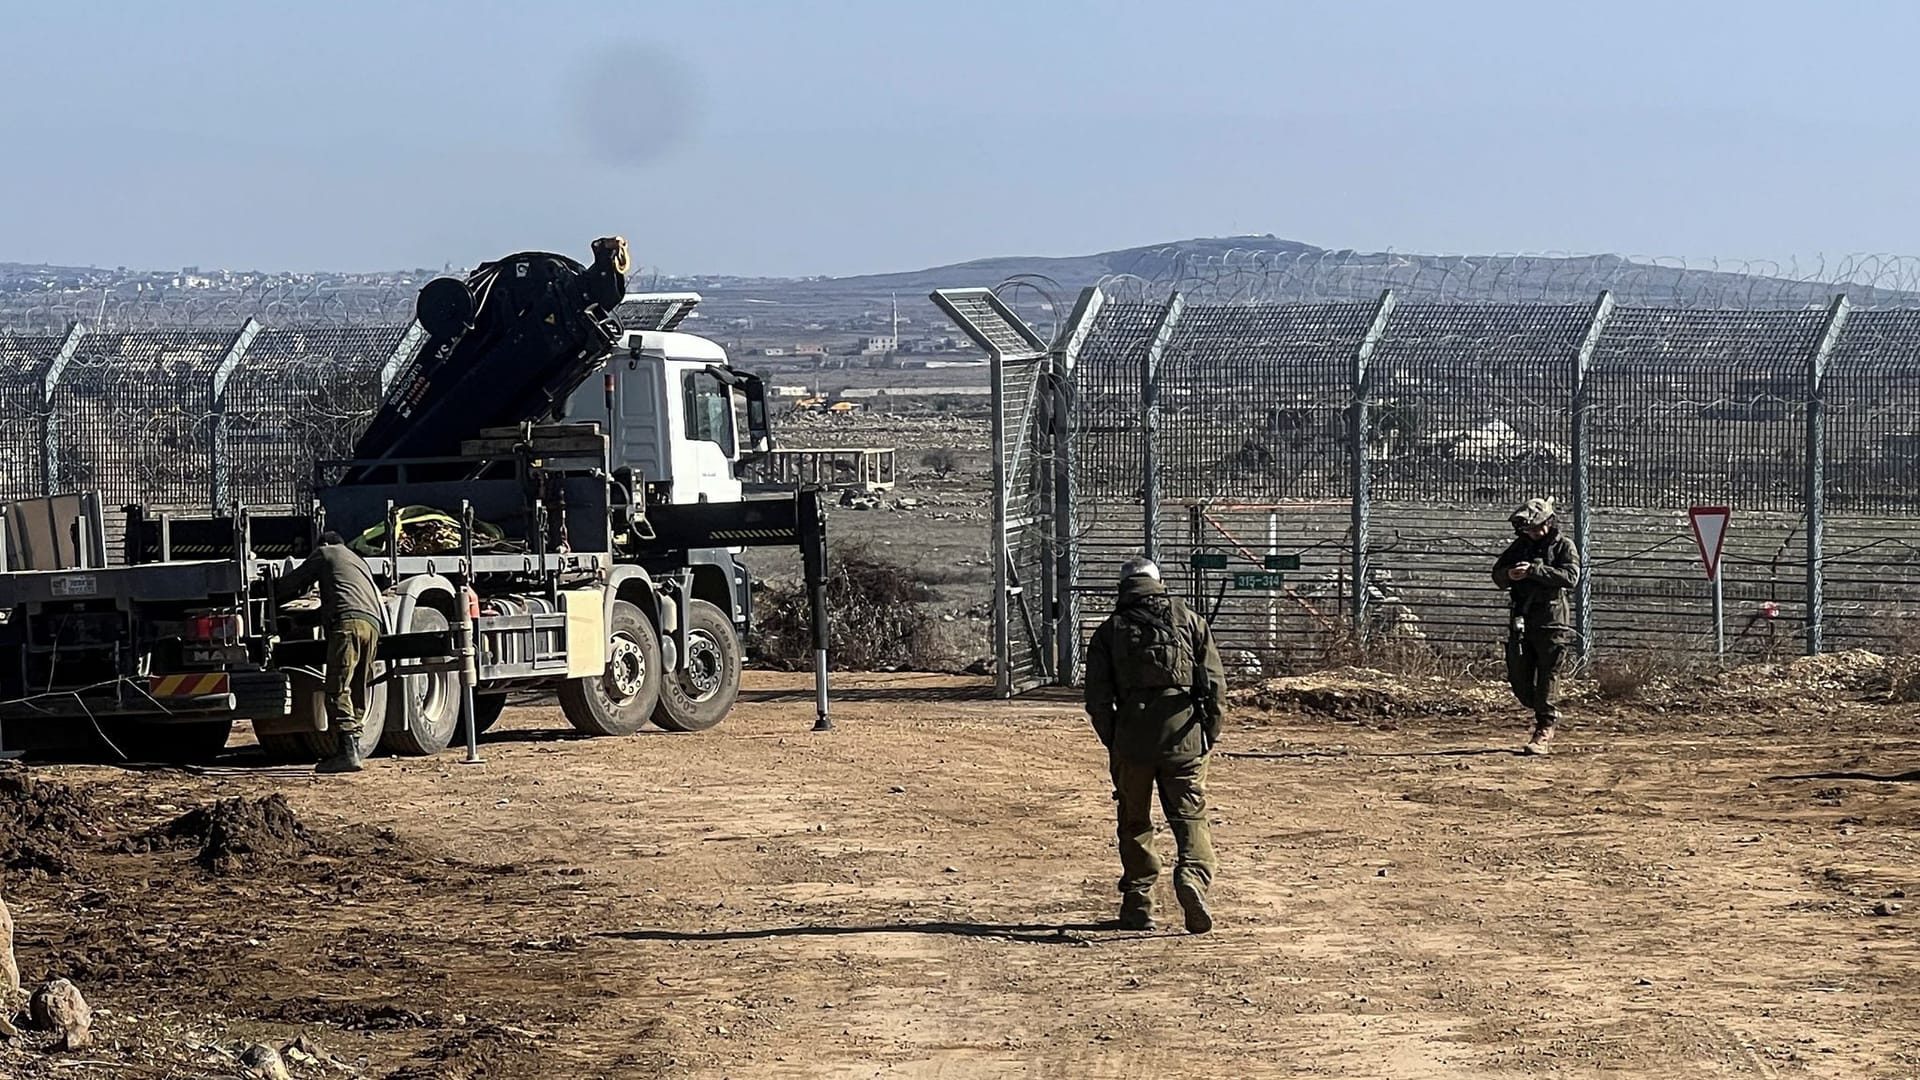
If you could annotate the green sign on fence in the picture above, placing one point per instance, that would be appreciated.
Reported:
(1258, 579)
(1283, 562)
(1209, 560)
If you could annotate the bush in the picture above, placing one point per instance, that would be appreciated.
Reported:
(942, 461)
(874, 616)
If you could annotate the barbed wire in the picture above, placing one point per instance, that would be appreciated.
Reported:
(1244, 275)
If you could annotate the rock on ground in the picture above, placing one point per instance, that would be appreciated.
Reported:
(58, 1007)
(9, 968)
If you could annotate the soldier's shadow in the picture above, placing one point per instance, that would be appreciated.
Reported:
(1303, 755)
(1026, 933)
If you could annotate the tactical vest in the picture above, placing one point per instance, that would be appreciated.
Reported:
(1154, 649)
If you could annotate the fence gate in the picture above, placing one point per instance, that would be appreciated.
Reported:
(1025, 573)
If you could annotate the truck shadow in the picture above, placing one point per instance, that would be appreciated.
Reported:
(875, 694)
(1029, 933)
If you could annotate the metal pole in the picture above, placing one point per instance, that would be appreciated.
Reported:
(469, 637)
(1582, 497)
(1816, 470)
(1719, 618)
(1358, 425)
(49, 430)
(1150, 426)
(1066, 540)
(217, 413)
(813, 561)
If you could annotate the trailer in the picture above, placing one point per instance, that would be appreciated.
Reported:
(550, 498)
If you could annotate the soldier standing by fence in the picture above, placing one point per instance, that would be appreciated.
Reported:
(1536, 570)
(1156, 692)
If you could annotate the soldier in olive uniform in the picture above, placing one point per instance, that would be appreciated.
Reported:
(350, 610)
(1156, 692)
(1537, 569)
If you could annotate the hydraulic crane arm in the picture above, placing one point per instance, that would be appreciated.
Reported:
(504, 346)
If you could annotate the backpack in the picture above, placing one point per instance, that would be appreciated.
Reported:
(1154, 646)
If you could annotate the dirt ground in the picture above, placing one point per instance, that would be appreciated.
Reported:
(1679, 891)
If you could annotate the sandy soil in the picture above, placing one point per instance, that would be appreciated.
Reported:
(924, 892)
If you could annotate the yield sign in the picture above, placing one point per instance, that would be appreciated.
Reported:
(1710, 532)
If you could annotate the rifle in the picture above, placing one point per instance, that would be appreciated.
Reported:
(1205, 706)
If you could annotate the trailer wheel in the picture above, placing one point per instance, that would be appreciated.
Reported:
(701, 695)
(620, 701)
(423, 711)
(306, 746)
(172, 743)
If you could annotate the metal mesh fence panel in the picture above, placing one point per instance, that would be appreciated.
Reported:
(1107, 452)
(1470, 403)
(23, 365)
(1688, 406)
(132, 418)
(1471, 412)
(1872, 476)
(297, 397)
(1872, 389)
(1253, 401)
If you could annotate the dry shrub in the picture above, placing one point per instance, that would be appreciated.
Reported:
(1397, 654)
(874, 617)
(1629, 675)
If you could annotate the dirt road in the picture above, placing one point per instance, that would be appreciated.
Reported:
(922, 893)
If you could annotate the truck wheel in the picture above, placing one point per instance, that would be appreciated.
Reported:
(620, 701)
(306, 746)
(701, 695)
(172, 743)
(423, 711)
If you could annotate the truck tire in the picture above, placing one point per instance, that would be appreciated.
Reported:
(701, 695)
(423, 711)
(306, 746)
(183, 743)
(620, 701)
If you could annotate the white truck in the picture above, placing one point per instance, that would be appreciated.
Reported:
(550, 496)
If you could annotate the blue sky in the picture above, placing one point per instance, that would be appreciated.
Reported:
(853, 136)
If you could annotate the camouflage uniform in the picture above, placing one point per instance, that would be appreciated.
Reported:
(1540, 624)
(1143, 667)
(350, 611)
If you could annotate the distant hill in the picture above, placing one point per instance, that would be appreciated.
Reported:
(1270, 268)
(752, 311)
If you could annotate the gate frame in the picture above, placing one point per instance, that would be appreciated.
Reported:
(994, 327)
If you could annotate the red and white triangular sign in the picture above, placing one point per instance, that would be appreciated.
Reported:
(1710, 532)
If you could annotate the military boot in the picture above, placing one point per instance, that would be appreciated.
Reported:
(344, 760)
(1193, 904)
(1136, 911)
(1542, 735)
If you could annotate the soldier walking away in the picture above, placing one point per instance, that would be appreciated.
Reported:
(1537, 569)
(350, 611)
(1156, 692)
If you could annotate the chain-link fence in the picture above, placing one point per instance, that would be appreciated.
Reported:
(189, 420)
(1329, 478)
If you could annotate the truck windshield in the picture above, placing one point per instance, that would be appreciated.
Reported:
(708, 408)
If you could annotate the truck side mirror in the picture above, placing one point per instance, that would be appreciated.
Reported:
(759, 430)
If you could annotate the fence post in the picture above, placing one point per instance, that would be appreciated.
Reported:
(49, 431)
(1066, 540)
(1359, 427)
(1582, 498)
(217, 492)
(401, 355)
(1817, 469)
(1150, 424)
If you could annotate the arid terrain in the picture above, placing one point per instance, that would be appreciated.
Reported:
(1708, 879)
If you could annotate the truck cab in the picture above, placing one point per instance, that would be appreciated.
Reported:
(674, 406)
